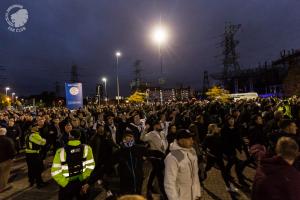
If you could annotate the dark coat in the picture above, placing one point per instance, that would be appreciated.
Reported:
(102, 148)
(232, 141)
(213, 144)
(275, 179)
(130, 162)
(257, 135)
(53, 134)
(14, 132)
(7, 149)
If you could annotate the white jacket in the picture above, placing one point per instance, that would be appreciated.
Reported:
(156, 140)
(181, 174)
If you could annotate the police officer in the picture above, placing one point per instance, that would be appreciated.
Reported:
(34, 160)
(72, 165)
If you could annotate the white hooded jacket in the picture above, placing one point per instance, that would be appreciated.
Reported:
(181, 174)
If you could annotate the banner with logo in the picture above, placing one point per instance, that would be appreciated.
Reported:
(74, 95)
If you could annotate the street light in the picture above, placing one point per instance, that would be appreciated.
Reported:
(12, 95)
(105, 80)
(160, 37)
(118, 54)
(6, 89)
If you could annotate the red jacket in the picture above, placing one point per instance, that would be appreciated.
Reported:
(275, 179)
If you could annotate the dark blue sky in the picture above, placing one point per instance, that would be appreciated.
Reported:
(62, 32)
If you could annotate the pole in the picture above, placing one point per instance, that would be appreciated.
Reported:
(161, 60)
(98, 93)
(161, 74)
(105, 91)
(118, 87)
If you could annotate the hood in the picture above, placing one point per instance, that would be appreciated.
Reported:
(273, 165)
(174, 146)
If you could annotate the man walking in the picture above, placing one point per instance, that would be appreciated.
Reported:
(181, 169)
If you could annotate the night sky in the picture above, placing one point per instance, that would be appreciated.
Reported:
(87, 33)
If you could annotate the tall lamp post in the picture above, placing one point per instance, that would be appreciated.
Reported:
(105, 80)
(6, 89)
(118, 54)
(160, 37)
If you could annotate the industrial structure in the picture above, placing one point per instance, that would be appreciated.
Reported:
(276, 78)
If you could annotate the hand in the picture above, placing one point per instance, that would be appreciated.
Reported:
(85, 188)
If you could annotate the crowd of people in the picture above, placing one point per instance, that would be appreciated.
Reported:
(181, 141)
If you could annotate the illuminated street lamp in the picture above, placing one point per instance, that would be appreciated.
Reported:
(105, 80)
(160, 37)
(12, 95)
(118, 54)
(6, 89)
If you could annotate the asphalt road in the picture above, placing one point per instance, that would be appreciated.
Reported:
(213, 187)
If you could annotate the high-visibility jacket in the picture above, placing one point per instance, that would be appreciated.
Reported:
(286, 109)
(60, 166)
(34, 142)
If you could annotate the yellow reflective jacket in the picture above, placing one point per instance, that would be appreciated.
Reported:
(34, 142)
(60, 172)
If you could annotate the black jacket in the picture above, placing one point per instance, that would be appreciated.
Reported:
(13, 132)
(7, 149)
(130, 162)
(102, 148)
(213, 144)
(232, 141)
(257, 135)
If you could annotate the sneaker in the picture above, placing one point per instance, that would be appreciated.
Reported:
(231, 188)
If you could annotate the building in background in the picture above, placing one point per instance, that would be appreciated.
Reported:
(169, 94)
(277, 78)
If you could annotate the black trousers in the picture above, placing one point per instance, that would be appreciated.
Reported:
(157, 171)
(71, 191)
(211, 161)
(233, 160)
(35, 168)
